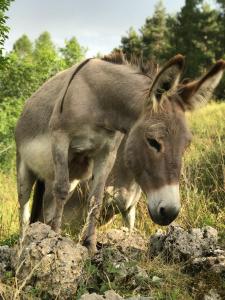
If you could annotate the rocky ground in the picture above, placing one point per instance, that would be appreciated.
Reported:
(49, 266)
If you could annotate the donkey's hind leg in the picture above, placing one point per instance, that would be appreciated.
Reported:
(129, 217)
(25, 182)
(49, 204)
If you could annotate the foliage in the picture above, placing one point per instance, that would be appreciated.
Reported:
(131, 44)
(27, 66)
(4, 29)
(23, 47)
(9, 112)
(196, 31)
(196, 39)
(154, 34)
(72, 52)
(46, 59)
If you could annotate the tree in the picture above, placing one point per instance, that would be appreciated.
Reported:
(23, 47)
(222, 4)
(27, 68)
(131, 44)
(72, 53)
(221, 23)
(154, 34)
(46, 58)
(4, 5)
(221, 38)
(194, 34)
(18, 78)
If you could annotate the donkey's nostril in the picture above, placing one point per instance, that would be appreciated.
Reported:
(162, 211)
(167, 214)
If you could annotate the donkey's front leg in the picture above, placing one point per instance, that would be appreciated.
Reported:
(102, 167)
(60, 147)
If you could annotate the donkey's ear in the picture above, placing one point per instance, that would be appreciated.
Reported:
(199, 92)
(167, 78)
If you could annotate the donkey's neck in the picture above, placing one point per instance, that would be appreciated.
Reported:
(121, 94)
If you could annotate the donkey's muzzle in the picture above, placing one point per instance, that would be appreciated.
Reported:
(164, 204)
(165, 215)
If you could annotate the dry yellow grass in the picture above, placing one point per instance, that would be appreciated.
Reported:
(203, 201)
(202, 183)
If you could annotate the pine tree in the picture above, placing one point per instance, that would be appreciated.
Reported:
(221, 24)
(222, 4)
(131, 44)
(154, 34)
(195, 34)
(221, 39)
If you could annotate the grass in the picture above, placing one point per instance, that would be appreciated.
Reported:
(203, 201)
(8, 209)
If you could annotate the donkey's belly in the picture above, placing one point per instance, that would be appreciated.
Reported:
(37, 155)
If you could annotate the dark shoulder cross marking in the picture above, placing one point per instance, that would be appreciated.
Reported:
(71, 79)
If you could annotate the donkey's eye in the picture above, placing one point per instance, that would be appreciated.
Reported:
(154, 144)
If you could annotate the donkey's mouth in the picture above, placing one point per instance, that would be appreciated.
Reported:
(164, 204)
(163, 220)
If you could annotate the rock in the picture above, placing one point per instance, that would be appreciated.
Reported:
(49, 262)
(124, 240)
(197, 248)
(180, 245)
(109, 295)
(5, 260)
(212, 295)
(214, 263)
(140, 298)
(157, 242)
(92, 296)
(156, 279)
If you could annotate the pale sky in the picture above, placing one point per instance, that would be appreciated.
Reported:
(97, 24)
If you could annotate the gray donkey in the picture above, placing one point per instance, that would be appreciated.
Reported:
(122, 194)
(72, 126)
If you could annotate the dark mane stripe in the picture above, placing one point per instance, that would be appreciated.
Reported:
(115, 57)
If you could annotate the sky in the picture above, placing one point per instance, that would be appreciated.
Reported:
(97, 24)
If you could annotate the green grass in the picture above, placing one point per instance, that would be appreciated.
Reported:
(203, 201)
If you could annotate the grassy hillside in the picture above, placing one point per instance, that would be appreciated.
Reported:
(203, 201)
(202, 183)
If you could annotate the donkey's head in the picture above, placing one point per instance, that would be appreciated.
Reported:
(156, 143)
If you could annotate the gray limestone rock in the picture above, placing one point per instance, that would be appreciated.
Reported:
(49, 262)
(180, 245)
(5, 260)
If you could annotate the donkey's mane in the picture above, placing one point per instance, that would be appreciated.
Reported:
(147, 68)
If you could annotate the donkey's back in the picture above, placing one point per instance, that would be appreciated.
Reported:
(40, 104)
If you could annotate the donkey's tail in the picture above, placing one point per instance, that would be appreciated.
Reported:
(36, 210)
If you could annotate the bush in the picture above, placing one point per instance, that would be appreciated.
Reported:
(10, 110)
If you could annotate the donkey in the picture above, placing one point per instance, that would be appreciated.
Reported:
(71, 128)
(122, 194)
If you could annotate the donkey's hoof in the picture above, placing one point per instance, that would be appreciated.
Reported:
(56, 227)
